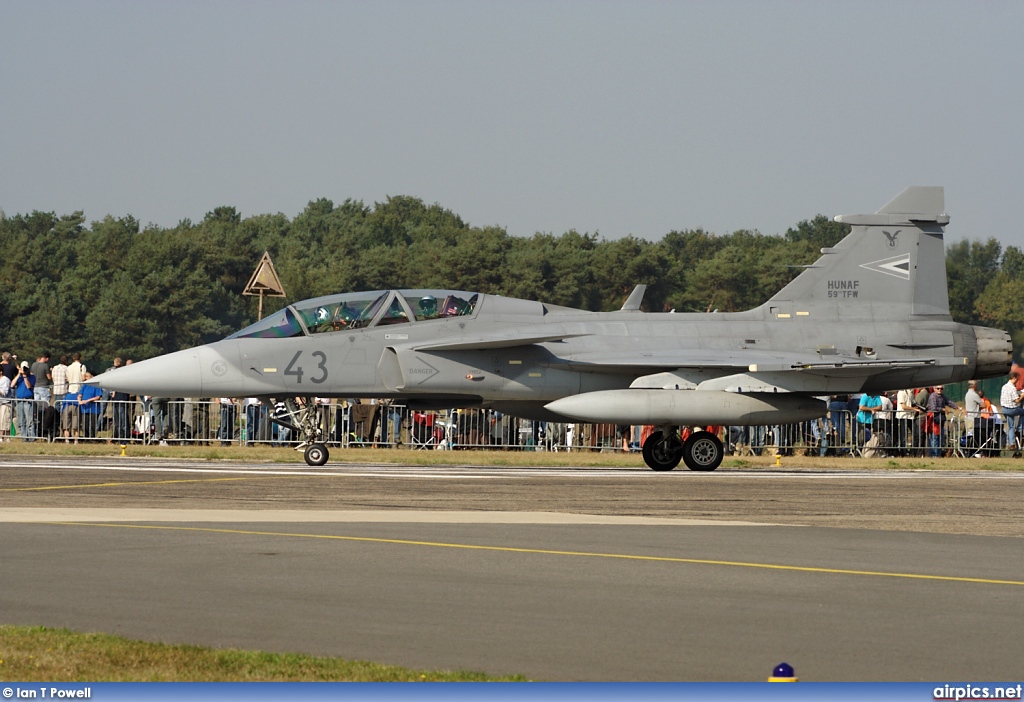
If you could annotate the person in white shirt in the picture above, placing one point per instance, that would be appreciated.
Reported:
(60, 380)
(884, 419)
(75, 374)
(5, 408)
(1009, 400)
(906, 419)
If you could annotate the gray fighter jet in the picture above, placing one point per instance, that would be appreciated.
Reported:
(872, 314)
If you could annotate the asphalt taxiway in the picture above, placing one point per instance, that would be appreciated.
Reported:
(555, 573)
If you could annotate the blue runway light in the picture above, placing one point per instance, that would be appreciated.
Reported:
(783, 673)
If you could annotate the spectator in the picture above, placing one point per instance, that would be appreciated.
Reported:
(937, 404)
(884, 419)
(361, 421)
(120, 412)
(280, 435)
(42, 392)
(24, 394)
(200, 426)
(1019, 383)
(972, 405)
(866, 417)
(89, 397)
(70, 420)
(1009, 399)
(44, 380)
(226, 431)
(120, 415)
(9, 367)
(837, 421)
(5, 408)
(496, 429)
(142, 424)
(75, 373)
(60, 381)
(921, 436)
(160, 419)
(985, 433)
(176, 418)
(906, 420)
(390, 423)
(621, 437)
(253, 409)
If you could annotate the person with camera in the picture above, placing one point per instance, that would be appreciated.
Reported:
(24, 396)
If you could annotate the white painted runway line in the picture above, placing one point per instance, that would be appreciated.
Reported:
(34, 515)
(497, 472)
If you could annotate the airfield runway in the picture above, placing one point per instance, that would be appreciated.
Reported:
(555, 573)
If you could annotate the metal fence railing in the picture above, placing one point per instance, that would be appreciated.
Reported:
(382, 424)
(885, 435)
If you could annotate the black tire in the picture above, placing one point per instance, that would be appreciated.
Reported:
(316, 454)
(662, 454)
(702, 451)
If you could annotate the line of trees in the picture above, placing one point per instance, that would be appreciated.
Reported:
(111, 288)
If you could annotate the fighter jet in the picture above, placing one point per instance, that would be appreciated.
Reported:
(870, 315)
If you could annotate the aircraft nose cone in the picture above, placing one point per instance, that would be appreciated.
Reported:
(172, 375)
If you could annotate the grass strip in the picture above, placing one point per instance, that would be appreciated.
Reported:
(41, 654)
(268, 454)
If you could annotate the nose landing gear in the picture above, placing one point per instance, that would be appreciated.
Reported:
(302, 416)
(316, 454)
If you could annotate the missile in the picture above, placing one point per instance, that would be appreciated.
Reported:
(688, 407)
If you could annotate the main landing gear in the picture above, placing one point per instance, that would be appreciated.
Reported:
(664, 449)
(303, 418)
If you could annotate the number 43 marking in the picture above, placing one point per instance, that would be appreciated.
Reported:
(297, 371)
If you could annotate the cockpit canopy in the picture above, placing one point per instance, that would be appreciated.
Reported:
(360, 310)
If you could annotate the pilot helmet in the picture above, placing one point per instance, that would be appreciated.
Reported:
(428, 303)
(321, 315)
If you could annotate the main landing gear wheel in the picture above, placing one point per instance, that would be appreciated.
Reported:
(316, 454)
(702, 450)
(661, 453)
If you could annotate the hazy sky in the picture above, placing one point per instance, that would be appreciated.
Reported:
(620, 118)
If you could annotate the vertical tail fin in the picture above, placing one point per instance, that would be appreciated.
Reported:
(892, 263)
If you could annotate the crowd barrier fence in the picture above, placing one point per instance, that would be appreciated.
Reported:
(383, 424)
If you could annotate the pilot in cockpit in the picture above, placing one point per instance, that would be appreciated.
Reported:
(343, 317)
(428, 307)
(321, 319)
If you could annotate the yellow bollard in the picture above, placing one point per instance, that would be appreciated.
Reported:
(124, 449)
(778, 459)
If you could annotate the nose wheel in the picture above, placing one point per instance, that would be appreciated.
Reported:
(316, 454)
